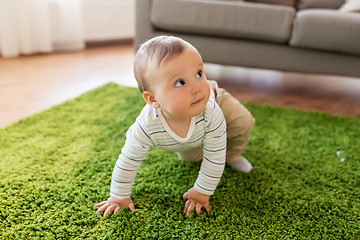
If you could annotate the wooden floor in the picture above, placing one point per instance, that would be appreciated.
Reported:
(31, 84)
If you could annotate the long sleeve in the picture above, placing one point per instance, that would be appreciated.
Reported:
(214, 153)
(137, 146)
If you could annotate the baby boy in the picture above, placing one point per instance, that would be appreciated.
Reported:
(185, 113)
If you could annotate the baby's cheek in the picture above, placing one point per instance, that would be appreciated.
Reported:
(207, 90)
(177, 107)
(182, 108)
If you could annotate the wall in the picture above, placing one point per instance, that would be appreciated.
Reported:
(108, 20)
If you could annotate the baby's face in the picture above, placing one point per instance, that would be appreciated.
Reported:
(180, 86)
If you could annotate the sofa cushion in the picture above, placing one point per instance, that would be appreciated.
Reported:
(326, 29)
(265, 22)
(334, 4)
(290, 3)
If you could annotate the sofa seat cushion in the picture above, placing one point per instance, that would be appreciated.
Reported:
(254, 21)
(326, 29)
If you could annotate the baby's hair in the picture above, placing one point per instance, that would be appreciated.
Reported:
(156, 51)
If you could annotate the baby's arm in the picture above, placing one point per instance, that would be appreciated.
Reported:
(136, 147)
(212, 166)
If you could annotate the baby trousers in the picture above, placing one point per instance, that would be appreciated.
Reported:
(239, 124)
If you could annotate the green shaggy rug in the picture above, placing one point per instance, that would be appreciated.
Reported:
(56, 164)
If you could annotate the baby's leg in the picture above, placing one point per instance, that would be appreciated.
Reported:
(193, 155)
(239, 123)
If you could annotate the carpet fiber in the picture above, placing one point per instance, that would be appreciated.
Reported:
(56, 164)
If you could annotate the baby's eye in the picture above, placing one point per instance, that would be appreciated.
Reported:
(199, 74)
(179, 83)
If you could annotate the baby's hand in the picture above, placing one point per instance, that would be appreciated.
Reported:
(195, 200)
(114, 204)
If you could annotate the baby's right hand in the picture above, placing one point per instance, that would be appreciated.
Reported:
(114, 204)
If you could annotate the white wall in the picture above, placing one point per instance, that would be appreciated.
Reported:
(107, 20)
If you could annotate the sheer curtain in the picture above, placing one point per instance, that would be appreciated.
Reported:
(40, 26)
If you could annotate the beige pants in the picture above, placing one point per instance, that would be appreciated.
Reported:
(239, 123)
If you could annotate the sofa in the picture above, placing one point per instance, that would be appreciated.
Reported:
(307, 36)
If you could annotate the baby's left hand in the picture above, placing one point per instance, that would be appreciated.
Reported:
(195, 200)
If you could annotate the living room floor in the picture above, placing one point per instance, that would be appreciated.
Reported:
(30, 84)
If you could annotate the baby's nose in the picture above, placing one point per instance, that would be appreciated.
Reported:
(196, 87)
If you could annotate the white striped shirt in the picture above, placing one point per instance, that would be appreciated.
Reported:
(150, 129)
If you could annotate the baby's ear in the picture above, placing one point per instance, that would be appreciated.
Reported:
(150, 99)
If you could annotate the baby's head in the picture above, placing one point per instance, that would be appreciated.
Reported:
(152, 54)
(170, 75)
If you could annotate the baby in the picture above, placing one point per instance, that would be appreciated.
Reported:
(185, 113)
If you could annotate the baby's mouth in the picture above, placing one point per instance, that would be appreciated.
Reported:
(198, 101)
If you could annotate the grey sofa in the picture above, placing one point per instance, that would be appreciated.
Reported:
(310, 36)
